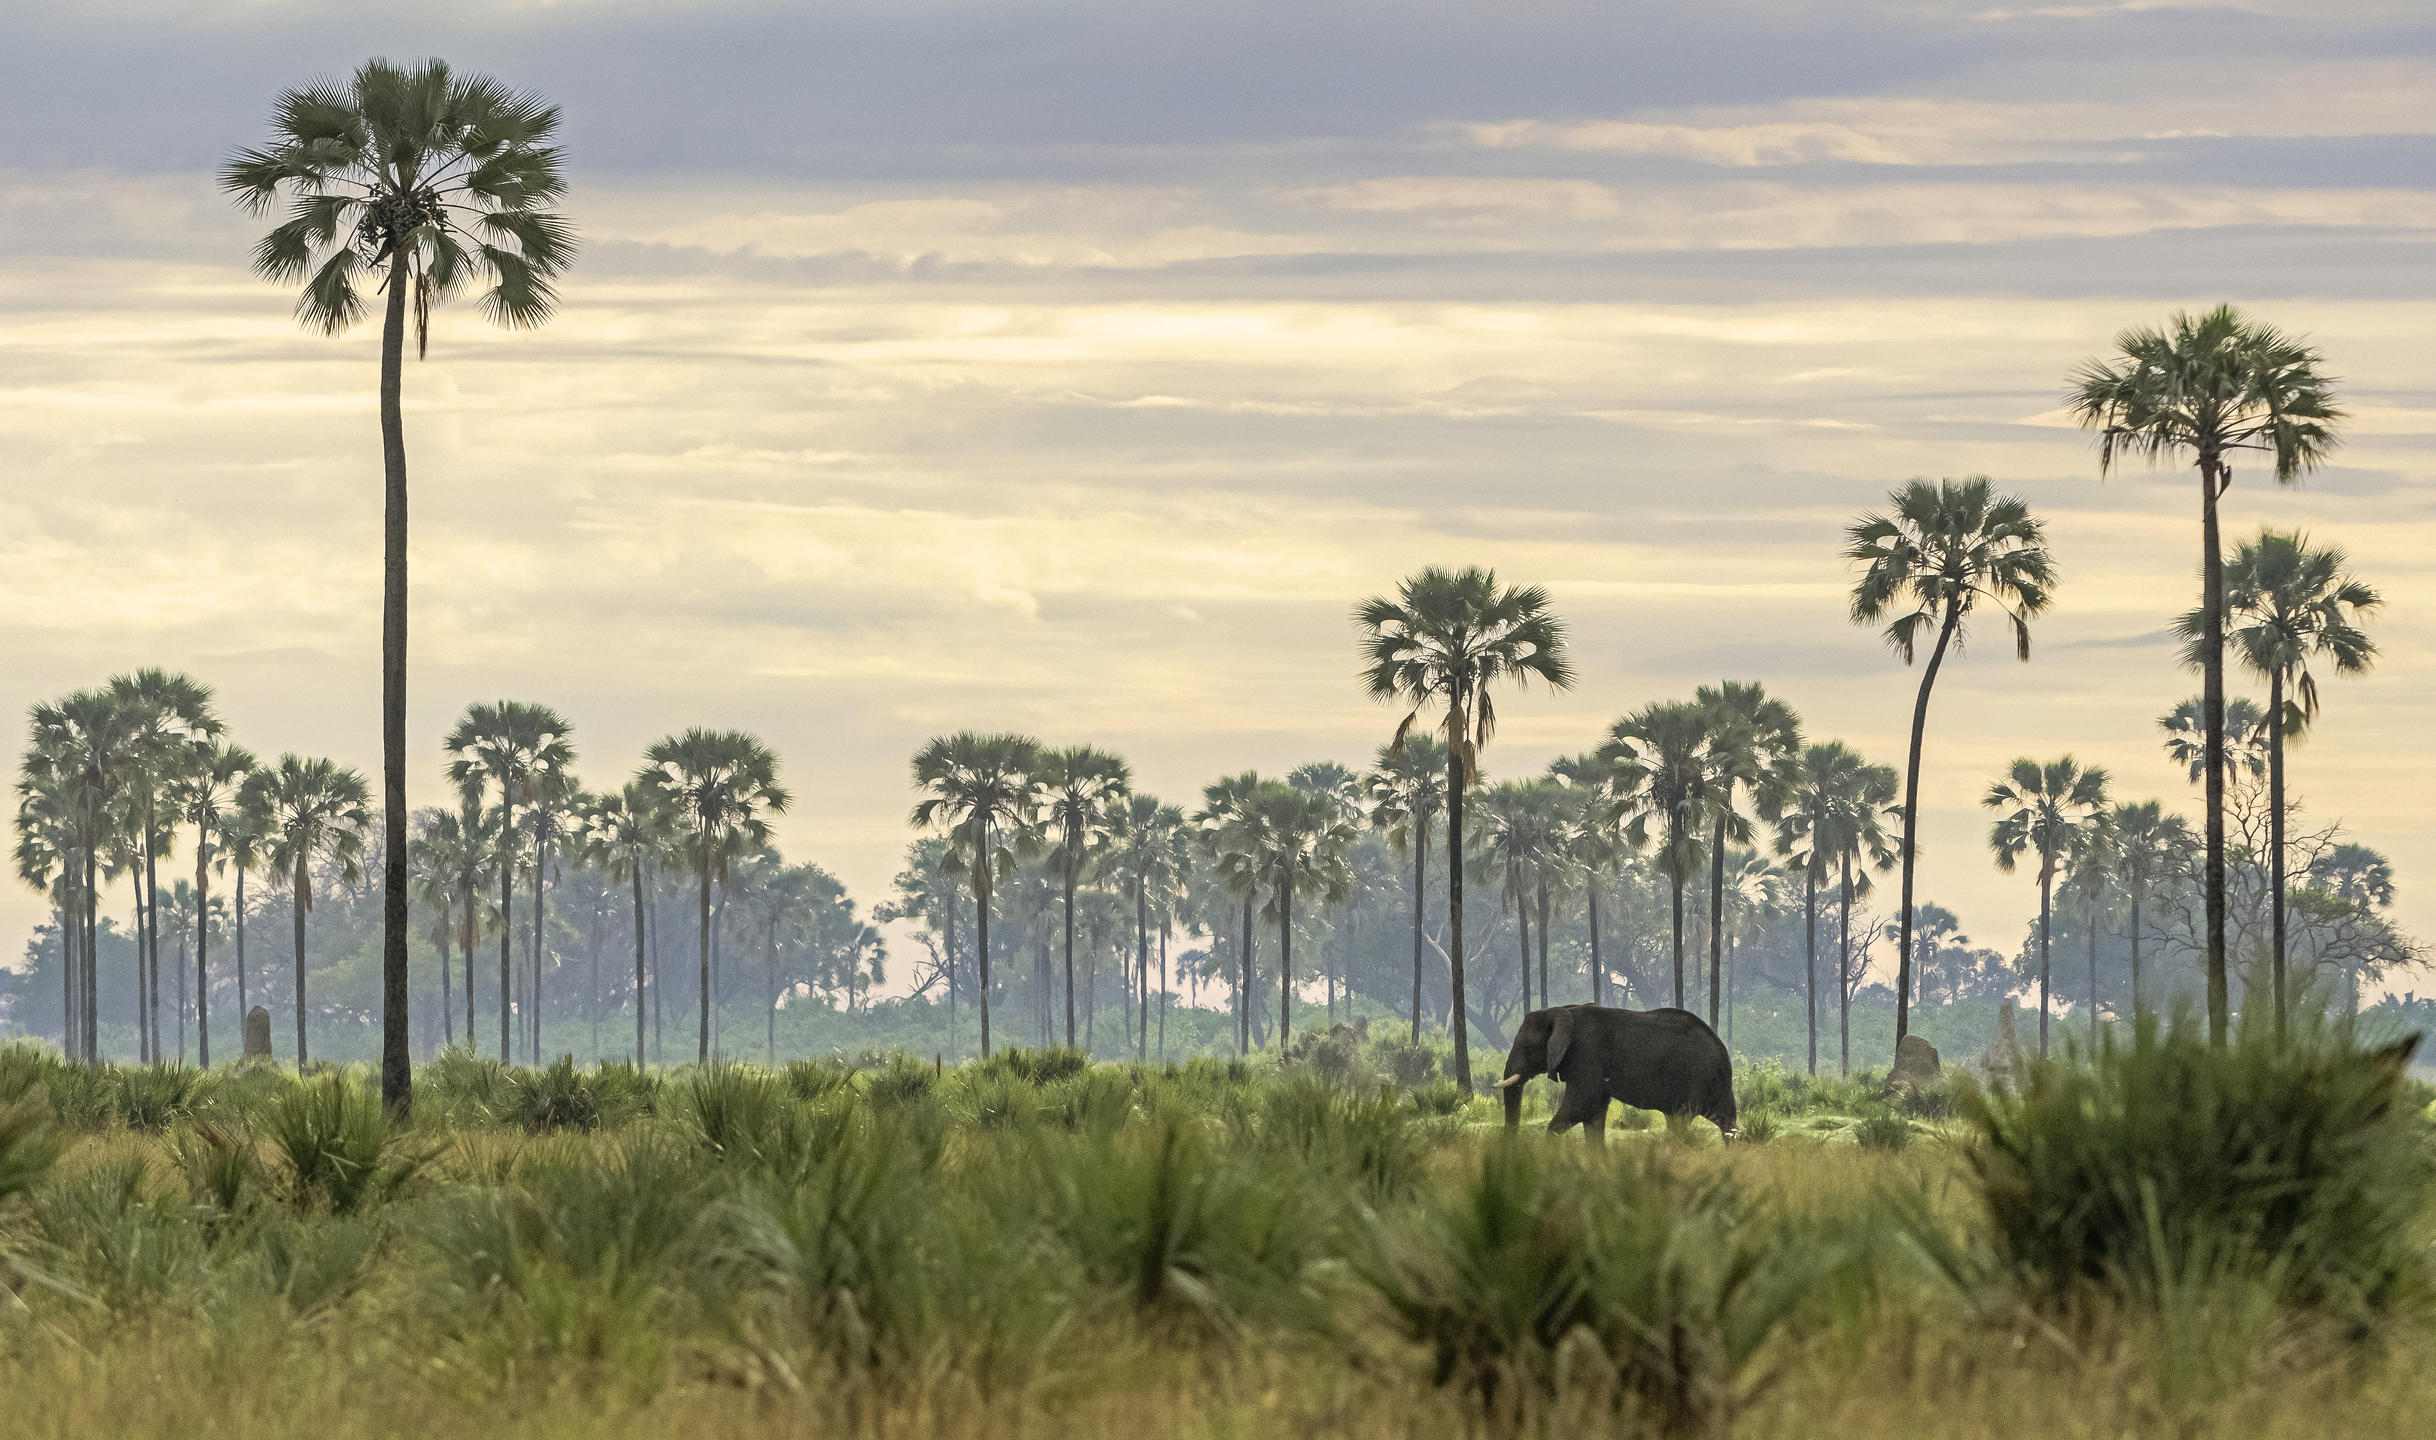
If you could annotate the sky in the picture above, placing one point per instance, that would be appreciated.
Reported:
(1076, 368)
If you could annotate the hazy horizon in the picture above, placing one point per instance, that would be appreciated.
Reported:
(1075, 370)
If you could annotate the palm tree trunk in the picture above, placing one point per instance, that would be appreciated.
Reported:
(981, 927)
(448, 998)
(1420, 898)
(202, 939)
(2046, 895)
(1717, 846)
(2212, 704)
(1546, 997)
(238, 920)
(1810, 958)
(951, 974)
(1843, 965)
(152, 937)
(1456, 1018)
(507, 927)
(67, 956)
(1243, 991)
(143, 1027)
(2138, 900)
(541, 865)
(396, 1073)
(2275, 825)
(1911, 822)
(702, 1050)
(637, 878)
(180, 999)
(1166, 999)
(1522, 940)
(1676, 889)
(89, 1020)
(298, 901)
(1141, 962)
(1598, 967)
(2093, 972)
(1069, 952)
(770, 1045)
(1285, 961)
(465, 938)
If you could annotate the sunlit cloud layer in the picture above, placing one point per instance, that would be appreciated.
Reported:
(1076, 369)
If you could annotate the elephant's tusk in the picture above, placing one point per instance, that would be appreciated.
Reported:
(1509, 1080)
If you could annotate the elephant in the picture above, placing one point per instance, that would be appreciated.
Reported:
(1664, 1060)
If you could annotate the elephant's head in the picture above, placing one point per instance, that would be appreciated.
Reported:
(1539, 1049)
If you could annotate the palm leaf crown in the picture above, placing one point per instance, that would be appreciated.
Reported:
(453, 172)
(1945, 548)
(2208, 384)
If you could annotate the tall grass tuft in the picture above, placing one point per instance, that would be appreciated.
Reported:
(340, 1148)
(2290, 1160)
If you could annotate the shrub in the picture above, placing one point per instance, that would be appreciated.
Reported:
(1882, 1129)
(28, 1148)
(902, 1081)
(1530, 1272)
(154, 1097)
(555, 1098)
(1409, 1063)
(1096, 1101)
(818, 1079)
(340, 1149)
(1333, 1054)
(1034, 1067)
(222, 1171)
(2289, 1160)
(1439, 1098)
(1757, 1127)
(734, 1110)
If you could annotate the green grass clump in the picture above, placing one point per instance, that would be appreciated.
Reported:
(342, 1153)
(2291, 1160)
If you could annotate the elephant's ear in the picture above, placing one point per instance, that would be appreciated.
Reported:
(1560, 1037)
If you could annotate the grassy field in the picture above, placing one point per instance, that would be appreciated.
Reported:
(2172, 1240)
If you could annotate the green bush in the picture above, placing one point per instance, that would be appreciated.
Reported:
(154, 1097)
(340, 1149)
(1408, 1063)
(1882, 1129)
(555, 1098)
(2290, 1160)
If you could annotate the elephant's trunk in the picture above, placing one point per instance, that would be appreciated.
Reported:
(1512, 1087)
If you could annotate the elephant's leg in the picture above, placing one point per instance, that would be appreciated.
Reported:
(1596, 1126)
(1582, 1105)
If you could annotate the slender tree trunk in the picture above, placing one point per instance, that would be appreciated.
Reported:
(1843, 965)
(1420, 899)
(2093, 973)
(181, 1001)
(2138, 904)
(659, 1011)
(637, 879)
(89, 1001)
(1547, 997)
(1069, 952)
(1598, 966)
(770, 1045)
(1243, 991)
(507, 928)
(1810, 958)
(297, 905)
(143, 1019)
(1285, 961)
(2213, 476)
(2275, 841)
(397, 1080)
(448, 998)
(465, 939)
(1911, 823)
(67, 957)
(1141, 960)
(1167, 998)
(1522, 940)
(541, 867)
(1456, 1019)
(702, 1049)
(1676, 889)
(238, 921)
(152, 938)
(981, 929)
(1717, 846)
(2046, 897)
(1729, 994)
(952, 1041)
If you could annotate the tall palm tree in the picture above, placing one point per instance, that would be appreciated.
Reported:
(1146, 858)
(721, 789)
(1344, 790)
(1662, 780)
(1300, 840)
(522, 751)
(1520, 830)
(2044, 810)
(1754, 894)
(431, 859)
(80, 751)
(204, 795)
(1078, 785)
(167, 717)
(310, 810)
(1230, 840)
(2149, 844)
(1751, 744)
(419, 179)
(2089, 874)
(1407, 788)
(2206, 387)
(551, 816)
(2288, 602)
(45, 855)
(1936, 555)
(623, 834)
(2245, 738)
(1445, 641)
(982, 791)
(1832, 817)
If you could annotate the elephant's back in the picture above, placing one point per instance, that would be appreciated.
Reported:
(1670, 1060)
